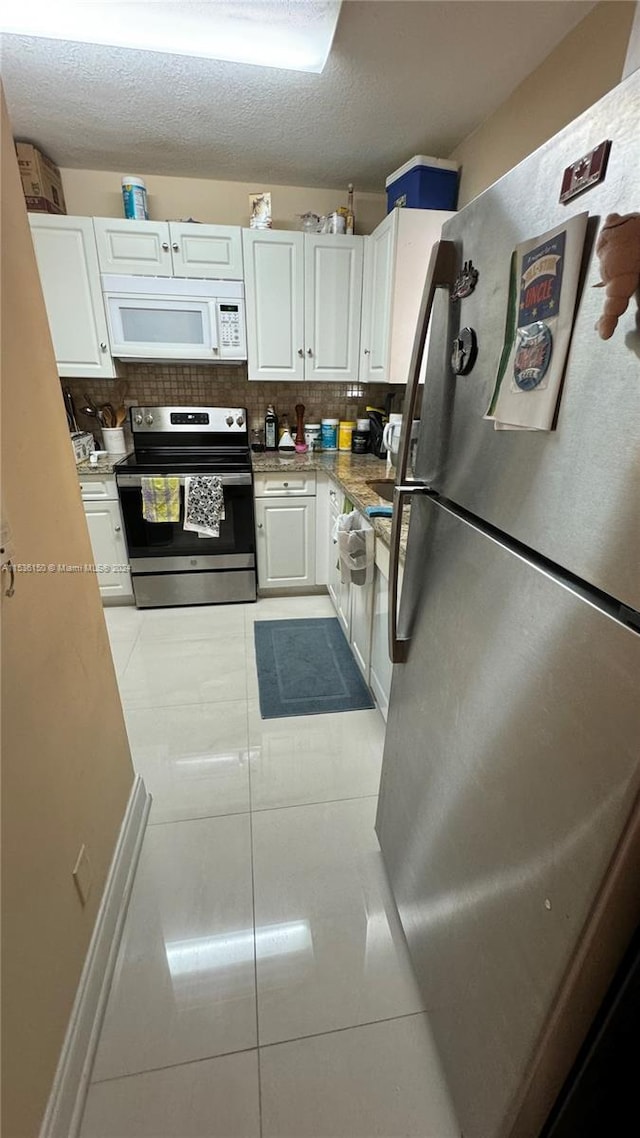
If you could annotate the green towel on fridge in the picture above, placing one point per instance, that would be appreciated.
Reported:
(161, 499)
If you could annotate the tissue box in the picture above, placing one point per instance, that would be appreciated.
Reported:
(83, 445)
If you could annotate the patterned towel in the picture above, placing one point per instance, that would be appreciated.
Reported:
(203, 504)
(161, 499)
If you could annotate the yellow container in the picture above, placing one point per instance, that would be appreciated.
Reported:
(346, 427)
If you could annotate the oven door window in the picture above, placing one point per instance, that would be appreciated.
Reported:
(146, 327)
(170, 539)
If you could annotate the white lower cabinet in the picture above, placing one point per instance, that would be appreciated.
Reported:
(286, 547)
(104, 520)
(360, 626)
(380, 666)
(353, 603)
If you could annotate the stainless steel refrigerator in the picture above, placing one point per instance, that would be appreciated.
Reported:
(508, 815)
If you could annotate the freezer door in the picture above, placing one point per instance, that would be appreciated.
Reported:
(511, 769)
(572, 493)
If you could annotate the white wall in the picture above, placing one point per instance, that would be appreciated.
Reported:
(632, 62)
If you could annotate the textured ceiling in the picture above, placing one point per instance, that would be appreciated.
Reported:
(402, 78)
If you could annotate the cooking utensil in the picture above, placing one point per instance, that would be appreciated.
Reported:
(70, 409)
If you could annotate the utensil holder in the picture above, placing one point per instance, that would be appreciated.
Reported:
(113, 438)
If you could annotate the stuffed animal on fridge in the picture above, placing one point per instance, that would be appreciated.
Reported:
(618, 250)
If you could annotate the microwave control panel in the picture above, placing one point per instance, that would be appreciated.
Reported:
(231, 329)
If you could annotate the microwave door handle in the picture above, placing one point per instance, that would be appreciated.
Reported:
(214, 314)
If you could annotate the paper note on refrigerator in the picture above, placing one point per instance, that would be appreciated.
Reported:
(543, 287)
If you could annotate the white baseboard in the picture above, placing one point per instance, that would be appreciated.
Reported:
(66, 1102)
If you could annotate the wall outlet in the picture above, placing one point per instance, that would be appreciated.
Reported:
(82, 875)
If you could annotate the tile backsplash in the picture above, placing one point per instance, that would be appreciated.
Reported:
(229, 386)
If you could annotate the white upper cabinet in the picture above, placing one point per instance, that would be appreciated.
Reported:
(396, 262)
(169, 249)
(274, 298)
(213, 251)
(332, 306)
(304, 302)
(65, 250)
(139, 248)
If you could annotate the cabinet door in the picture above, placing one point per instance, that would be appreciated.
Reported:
(380, 666)
(140, 248)
(65, 250)
(285, 542)
(213, 251)
(378, 285)
(109, 549)
(333, 570)
(332, 306)
(273, 271)
(360, 625)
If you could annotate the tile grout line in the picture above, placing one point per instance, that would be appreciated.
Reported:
(254, 937)
(262, 809)
(260, 1047)
(253, 903)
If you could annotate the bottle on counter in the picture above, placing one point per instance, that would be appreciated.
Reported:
(329, 434)
(271, 429)
(346, 427)
(361, 437)
(351, 221)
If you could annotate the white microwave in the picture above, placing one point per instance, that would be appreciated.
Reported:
(165, 318)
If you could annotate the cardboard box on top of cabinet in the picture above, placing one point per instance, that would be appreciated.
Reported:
(41, 180)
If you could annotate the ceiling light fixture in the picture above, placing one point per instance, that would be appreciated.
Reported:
(294, 35)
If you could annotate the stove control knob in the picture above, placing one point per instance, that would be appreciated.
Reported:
(138, 418)
(148, 420)
(229, 420)
(240, 420)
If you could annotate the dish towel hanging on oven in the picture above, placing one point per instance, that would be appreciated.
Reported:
(203, 504)
(161, 499)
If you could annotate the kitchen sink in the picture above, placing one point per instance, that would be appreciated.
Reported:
(384, 488)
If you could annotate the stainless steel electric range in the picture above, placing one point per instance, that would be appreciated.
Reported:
(171, 565)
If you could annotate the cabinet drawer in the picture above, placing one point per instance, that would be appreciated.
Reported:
(286, 485)
(95, 488)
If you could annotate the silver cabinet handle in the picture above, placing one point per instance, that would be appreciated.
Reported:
(259, 526)
(440, 274)
(11, 587)
(300, 351)
(117, 529)
(309, 352)
(175, 247)
(103, 346)
(285, 484)
(165, 246)
(367, 352)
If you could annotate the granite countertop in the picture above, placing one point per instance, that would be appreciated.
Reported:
(351, 472)
(102, 466)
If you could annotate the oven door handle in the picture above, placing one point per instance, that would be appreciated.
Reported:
(242, 479)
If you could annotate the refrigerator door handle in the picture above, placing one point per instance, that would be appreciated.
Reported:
(398, 645)
(440, 274)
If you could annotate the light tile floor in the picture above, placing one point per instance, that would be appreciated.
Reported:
(263, 986)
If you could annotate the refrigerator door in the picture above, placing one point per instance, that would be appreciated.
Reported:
(572, 493)
(510, 775)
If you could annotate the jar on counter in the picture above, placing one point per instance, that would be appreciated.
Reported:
(346, 427)
(329, 434)
(312, 435)
(360, 438)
